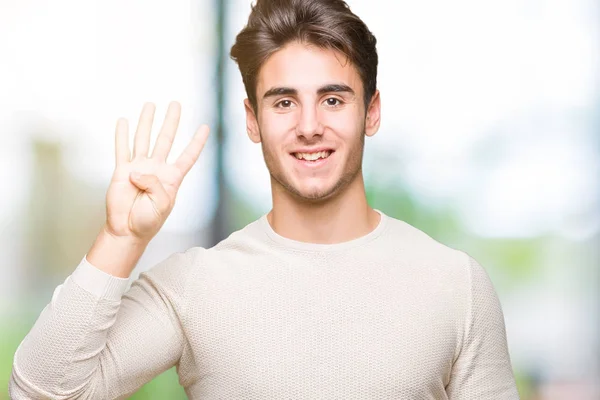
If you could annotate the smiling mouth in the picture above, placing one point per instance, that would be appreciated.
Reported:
(312, 157)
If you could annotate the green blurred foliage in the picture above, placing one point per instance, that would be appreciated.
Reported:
(164, 386)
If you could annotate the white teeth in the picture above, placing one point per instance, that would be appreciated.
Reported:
(312, 156)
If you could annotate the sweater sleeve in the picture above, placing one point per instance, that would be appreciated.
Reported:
(482, 370)
(96, 340)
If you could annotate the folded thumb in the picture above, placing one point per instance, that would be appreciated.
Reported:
(151, 185)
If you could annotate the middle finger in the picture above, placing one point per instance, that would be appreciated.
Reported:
(167, 132)
(141, 142)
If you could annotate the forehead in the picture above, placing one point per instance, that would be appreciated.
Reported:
(306, 68)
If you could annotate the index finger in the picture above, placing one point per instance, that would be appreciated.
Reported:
(192, 151)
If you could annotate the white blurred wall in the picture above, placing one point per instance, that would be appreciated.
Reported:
(69, 69)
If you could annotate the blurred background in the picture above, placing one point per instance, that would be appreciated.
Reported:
(490, 143)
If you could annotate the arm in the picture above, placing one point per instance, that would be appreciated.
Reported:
(93, 341)
(483, 369)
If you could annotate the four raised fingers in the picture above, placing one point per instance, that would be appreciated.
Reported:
(164, 142)
(141, 142)
(192, 151)
(167, 132)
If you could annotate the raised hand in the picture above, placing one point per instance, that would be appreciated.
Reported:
(143, 188)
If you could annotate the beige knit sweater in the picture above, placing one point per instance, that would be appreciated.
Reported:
(391, 315)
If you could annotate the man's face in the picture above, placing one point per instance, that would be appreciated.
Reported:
(311, 121)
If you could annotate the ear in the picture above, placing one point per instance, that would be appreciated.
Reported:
(373, 115)
(251, 122)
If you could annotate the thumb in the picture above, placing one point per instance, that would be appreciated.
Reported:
(155, 190)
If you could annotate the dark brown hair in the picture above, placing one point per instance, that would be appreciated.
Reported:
(324, 23)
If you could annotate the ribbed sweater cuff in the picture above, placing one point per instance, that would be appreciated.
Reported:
(98, 282)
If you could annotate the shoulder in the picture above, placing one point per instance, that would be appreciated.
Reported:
(453, 266)
(249, 242)
(418, 248)
(242, 240)
(171, 273)
(414, 250)
(243, 244)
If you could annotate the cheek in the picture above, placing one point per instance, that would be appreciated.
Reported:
(343, 124)
(276, 128)
(275, 132)
(277, 124)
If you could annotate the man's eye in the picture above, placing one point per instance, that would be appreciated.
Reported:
(332, 101)
(284, 104)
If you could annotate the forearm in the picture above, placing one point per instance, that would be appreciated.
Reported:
(60, 355)
(96, 341)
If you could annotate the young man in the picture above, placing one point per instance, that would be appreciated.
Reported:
(321, 298)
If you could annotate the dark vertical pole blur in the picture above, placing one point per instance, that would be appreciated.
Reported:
(220, 221)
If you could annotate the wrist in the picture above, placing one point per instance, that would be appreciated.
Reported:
(122, 240)
(116, 255)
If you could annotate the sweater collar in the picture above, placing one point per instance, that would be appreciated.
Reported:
(265, 226)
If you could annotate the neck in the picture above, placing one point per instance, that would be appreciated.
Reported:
(344, 217)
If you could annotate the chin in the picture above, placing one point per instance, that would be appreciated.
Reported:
(310, 190)
(315, 194)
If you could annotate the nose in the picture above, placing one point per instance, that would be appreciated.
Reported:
(308, 123)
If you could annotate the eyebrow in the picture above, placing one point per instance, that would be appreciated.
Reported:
(287, 91)
(280, 91)
(335, 88)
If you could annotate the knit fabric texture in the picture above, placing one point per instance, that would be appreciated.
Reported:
(391, 315)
